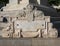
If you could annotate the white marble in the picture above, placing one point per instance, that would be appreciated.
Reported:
(13, 2)
(29, 26)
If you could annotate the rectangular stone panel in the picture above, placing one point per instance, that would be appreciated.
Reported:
(29, 25)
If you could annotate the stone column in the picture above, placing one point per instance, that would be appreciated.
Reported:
(13, 1)
(38, 2)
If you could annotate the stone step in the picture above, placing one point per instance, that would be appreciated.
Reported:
(30, 42)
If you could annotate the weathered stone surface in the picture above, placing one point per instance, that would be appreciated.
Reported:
(39, 15)
(26, 20)
(29, 34)
(52, 33)
(6, 34)
(45, 33)
(50, 26)
(29, 26)
(16, 5)
(17, 33)
(13, 1)
(47, 19)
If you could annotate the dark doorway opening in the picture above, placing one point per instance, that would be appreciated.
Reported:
(5, 20)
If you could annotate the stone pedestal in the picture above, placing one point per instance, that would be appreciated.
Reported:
(14, 5)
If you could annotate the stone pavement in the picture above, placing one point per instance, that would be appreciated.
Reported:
(30, 42)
